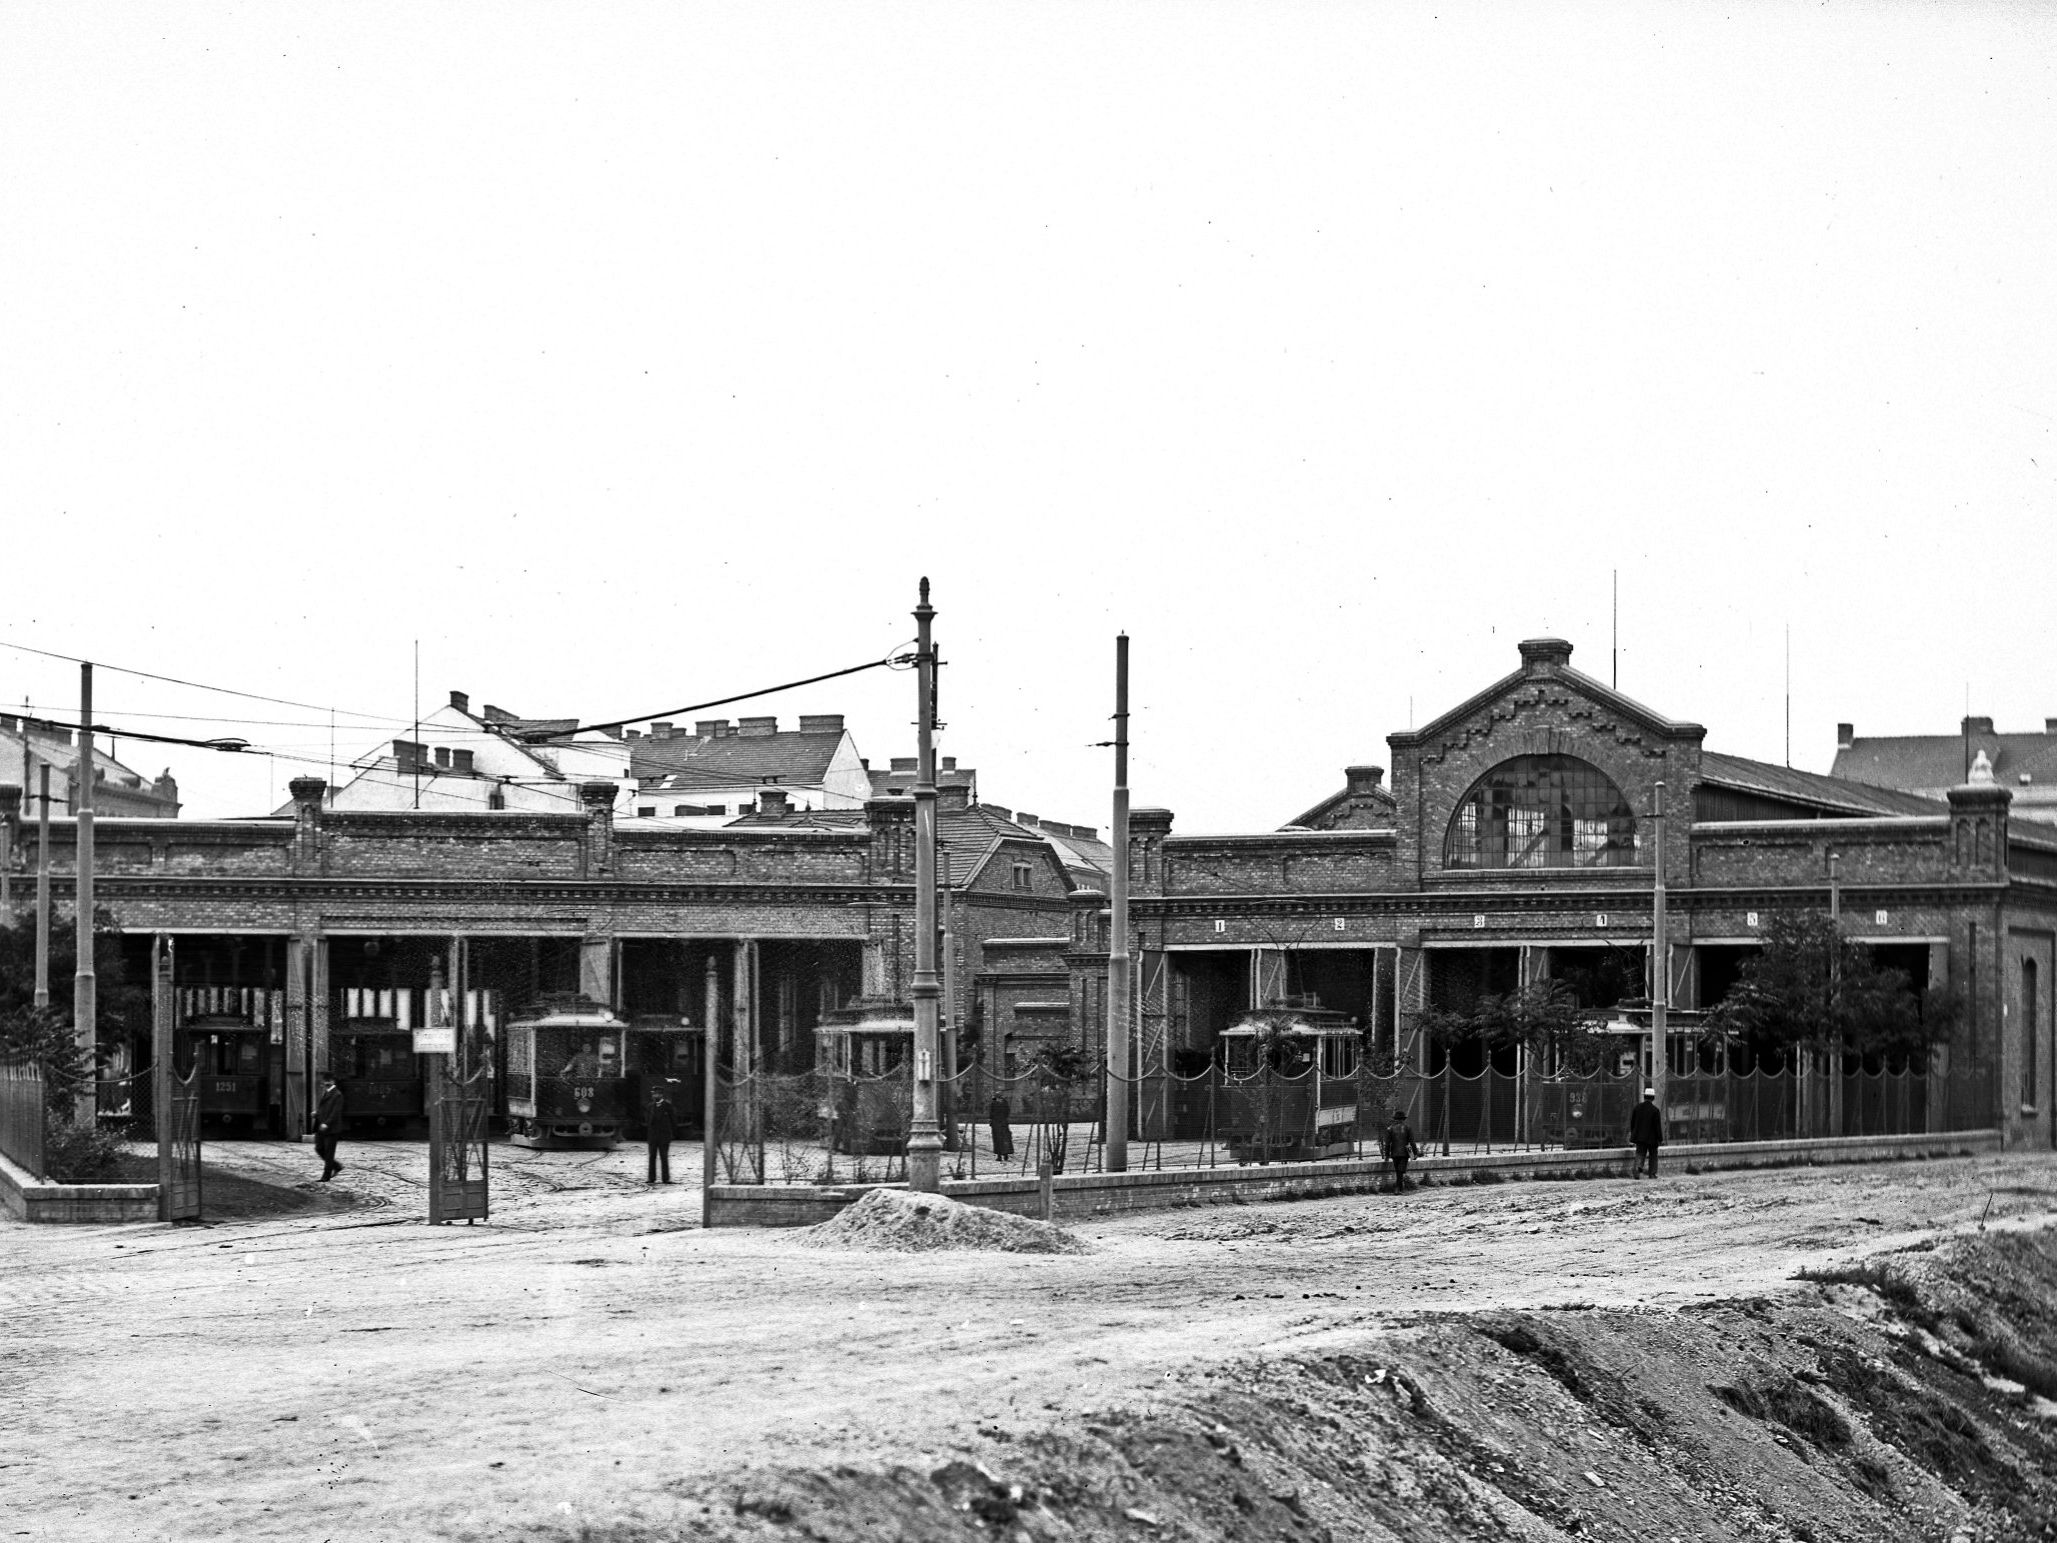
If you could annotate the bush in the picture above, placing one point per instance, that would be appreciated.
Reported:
(77, 1152)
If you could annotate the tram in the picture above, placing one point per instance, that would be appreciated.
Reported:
(371, 1053)
(870, 1052)
(1289, 1085)
(233, 1037)
(667, 1054)
(567, 1082)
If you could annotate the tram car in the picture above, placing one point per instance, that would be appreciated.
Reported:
(233, 1037)
(1593, 1111)
(669, 1055)
(371, 1054)
(870, 1051)
(1289, 1085)
(567, 1081)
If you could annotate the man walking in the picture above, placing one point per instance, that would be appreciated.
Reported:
(1397, 1146)
(1646, 1132)
(658, 1131)
(328, 1126)
(999, 1120)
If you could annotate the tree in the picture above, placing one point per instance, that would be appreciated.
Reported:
(1811, 987)
(1543, 1016)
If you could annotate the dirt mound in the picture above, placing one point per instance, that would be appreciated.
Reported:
(894, 1221)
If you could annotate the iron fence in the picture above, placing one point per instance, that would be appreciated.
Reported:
(22, 1114)
(818, 1127)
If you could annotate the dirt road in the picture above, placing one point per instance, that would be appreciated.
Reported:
(590, 1351)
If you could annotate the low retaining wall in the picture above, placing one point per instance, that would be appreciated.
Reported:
(30, 1199)
(1078, 1196)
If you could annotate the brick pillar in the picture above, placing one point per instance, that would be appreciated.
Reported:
(307, 796)
(597, 798)
(318, 1007)
(1978, 821)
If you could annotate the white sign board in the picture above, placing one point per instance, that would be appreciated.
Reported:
(435, 1041)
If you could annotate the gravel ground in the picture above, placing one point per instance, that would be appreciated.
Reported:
(590, 1350)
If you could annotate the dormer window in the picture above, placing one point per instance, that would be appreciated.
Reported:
(1542, 811)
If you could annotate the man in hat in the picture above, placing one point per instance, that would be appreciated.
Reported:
(328, 1126)
(1397, 1145)
(1646, 1132)
(658, 1131)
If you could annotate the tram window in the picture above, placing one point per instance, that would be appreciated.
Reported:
(235, 1055)
(1338, 1057)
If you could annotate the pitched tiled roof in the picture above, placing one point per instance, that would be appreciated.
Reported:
(794, 758)
(1938, 760)
(1831, 794)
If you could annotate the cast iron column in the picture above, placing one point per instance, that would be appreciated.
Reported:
(924, 1138)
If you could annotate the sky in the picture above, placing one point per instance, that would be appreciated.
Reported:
(624, 357)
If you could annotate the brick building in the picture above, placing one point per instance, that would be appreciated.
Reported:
(1517, 842)
(27, 745)
(2023, 761)
(714, 774)
(305, 920)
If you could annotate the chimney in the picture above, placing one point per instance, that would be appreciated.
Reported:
(1846, 735)
(821, 723)
(494, 714)
(632, 735)
(2050, 725)
(1545, 656)
(1978, 726)
(757, 725)
(954, 795)
(1363, 779)
(948, 763)
(906, 763)
(709, 728)
(773, 801)
(307, 796)
(461, 701)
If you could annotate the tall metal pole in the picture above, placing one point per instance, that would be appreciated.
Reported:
(924, 1138)
(43, 885)
(1660, 971)
(85, 1006)
(1119, 1022)
(710, 1093)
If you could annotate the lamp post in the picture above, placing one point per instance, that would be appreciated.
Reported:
(924, 1138)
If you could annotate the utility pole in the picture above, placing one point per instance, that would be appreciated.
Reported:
(85, 1005)
(43, 886)
(1119, 1023)
(1660, 971)
(950, 1012)
(924, 1140)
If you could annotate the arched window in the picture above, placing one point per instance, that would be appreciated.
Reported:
(1542, 811)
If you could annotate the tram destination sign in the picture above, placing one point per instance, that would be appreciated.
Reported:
(442, 1041)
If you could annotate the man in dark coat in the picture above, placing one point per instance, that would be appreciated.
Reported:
(658, 1131)
(1646, 1132)
(328, 1126)
(999, 1120)
(1397, 1145)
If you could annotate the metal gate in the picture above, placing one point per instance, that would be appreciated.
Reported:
(178, 1148)
(458, 1108)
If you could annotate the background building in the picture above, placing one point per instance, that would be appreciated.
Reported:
(2024, 763)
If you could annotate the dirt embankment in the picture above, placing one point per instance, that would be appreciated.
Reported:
(1904, 1398)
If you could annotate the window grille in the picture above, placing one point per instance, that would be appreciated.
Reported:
(1542, 811)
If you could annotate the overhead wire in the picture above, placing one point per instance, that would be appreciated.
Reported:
(891, 661)
(173, 680)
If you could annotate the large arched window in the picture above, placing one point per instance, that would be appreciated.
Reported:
(1542, 811)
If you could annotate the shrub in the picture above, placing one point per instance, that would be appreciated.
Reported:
(77, 1152)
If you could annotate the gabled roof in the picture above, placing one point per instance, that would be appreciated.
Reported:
(794, 758)
(1938, 760)
(1831, 794)
(1603, 695)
